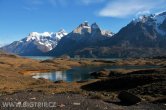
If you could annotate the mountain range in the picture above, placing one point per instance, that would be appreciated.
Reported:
(142, 37)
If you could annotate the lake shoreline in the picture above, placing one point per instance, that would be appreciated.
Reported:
(13, 82)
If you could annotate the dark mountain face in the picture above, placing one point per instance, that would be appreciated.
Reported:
(142, 37)
(143, 33)
(135, 35)
(84, 36)
(163, 25)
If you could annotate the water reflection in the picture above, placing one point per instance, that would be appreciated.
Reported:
(81, 73)
(69, 76)
(53, 76)
(39, 57)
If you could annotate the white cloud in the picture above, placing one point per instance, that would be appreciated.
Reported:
(124, 8)
(143, 13)
(31, 5)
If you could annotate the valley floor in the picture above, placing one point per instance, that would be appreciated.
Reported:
(17, 85)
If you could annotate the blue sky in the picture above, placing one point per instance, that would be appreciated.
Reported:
(20, 17)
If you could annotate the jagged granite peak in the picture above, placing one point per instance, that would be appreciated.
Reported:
(36, 43)
(92, 30)
(95, 30)
(95, 26)
(83, 28)
(85, 24)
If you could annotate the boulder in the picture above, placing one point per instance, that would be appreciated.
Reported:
(128, 98)
(60, 81)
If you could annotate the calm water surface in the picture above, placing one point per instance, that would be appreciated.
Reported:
(81, 73)
(49, 57)
(39, 57)
(78, 73)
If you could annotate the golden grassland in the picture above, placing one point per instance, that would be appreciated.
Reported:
(15, 75)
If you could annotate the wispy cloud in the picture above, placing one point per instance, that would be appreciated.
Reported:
(113, 8)
(124, 8)
(88, 2)
(143, 13)
(39, 3)
(66, 2)
(63, 2)
(31, 5)
(35, 4)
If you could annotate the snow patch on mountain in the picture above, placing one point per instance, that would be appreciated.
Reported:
(83, 28)
(154, 20)
(45, 41)
(61, 33)
(107, 33)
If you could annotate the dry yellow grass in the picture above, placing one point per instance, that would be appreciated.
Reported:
(14, 73)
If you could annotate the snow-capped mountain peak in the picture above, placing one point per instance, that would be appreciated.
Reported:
(46, 35)
(42, 42)
(156, 20)
(46, 41)
(38, 36)
(61, 33)
(85, 24)
(95, 26)
(93, 30)
(83, 28)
